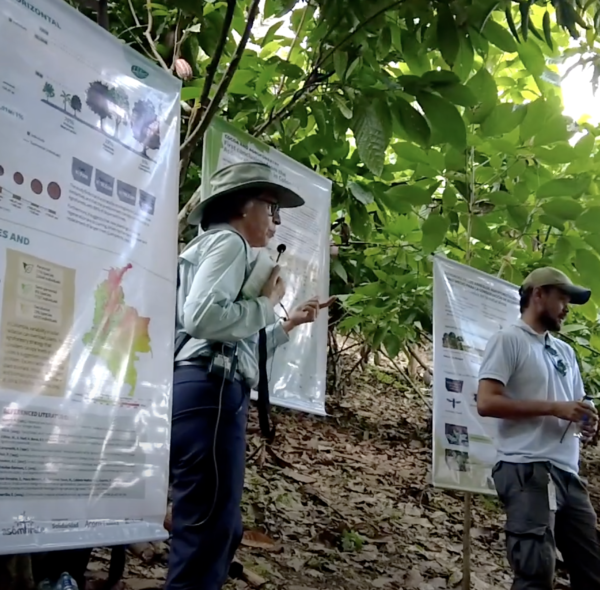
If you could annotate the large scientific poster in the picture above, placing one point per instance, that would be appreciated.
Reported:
(298, 369)
(469, 307)
(88, 215)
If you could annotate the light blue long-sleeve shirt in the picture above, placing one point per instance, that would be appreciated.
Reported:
(212, 271)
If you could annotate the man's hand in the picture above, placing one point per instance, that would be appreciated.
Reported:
(575, 412)
(274, 288)
(306, 313)
(589, 430)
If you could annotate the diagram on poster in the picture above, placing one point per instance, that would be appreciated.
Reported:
(119, 334)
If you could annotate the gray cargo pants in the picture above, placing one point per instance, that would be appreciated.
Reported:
(534, 530)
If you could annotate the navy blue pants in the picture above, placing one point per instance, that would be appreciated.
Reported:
(207, 478)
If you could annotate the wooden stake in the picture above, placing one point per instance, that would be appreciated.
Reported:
(466, 582)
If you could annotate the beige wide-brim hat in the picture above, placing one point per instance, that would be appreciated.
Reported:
(552, 277)
(238, 177)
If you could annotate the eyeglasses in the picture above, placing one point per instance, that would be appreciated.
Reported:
(273, 207)
(559, 364)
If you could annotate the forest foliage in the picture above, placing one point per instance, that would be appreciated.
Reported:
(440, 124)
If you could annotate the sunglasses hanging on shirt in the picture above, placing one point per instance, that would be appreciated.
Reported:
(557, 361)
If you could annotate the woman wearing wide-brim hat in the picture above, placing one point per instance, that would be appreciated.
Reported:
(240, 211)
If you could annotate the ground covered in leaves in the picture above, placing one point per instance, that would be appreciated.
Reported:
(346, 502)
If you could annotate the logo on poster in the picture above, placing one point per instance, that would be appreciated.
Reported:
(39, 13)
(138, 72)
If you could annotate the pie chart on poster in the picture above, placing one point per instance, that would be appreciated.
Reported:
(36, 186)
(18, 178)
(54, 191)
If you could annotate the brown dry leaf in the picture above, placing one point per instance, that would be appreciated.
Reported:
(258, 540)
(300, 477)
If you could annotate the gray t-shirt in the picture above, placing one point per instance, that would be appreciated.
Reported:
(522, 360)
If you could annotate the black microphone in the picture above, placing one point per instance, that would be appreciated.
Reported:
(280, 249)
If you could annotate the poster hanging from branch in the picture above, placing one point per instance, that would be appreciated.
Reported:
(298, 369)
(88, 234)
(469, 307)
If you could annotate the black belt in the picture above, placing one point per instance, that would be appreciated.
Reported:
(204, 363)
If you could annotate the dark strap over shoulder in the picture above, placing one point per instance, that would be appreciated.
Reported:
(264, 402)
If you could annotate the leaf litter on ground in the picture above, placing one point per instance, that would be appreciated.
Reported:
(347, 502)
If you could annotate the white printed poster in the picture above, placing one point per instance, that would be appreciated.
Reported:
(469, 307)
(88, 219)
(297, 371)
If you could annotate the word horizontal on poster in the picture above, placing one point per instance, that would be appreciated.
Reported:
(298, 369)
(469, 307)
(88, 223)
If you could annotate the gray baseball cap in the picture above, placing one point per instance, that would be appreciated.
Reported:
(552, 277)
(244, 175)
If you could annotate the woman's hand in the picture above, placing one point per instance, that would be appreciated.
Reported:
(274, 288)
(305, 313)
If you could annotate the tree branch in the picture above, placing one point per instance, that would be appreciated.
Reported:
(148, 35)
(309, 83)
(194, 139)
(211, 69)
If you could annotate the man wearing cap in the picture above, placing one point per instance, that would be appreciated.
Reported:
(216, 366)
(531, 382)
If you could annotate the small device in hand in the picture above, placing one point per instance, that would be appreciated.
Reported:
(587, 400)
(224, 361)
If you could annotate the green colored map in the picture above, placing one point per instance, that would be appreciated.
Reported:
(119, 334)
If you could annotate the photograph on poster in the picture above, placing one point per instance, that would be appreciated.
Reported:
(454, 385)
(457, 460)
(457, 435)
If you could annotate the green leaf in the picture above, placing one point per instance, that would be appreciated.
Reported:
(495, 33)
(447, 35)
(560, 153)
(501, 198)
(564, 187)
(458, 94)
(552, 221)
(449, 197)
(483, 86)
(562, 251)
(552, 130)
(445, 118)
(588, 265)
(464, 61)
(414, 54)
(548, 29)
(519, 215)
(412, 121)
(410, 152)
(343, 106)
(339, 270)
(434, 231)
(360, 193)
(371, 136)
(503, 119)
(563, 208)
(392, 345)
(190, 93)
(589, 220)
(538, 111)
(408, 193)
(583, 148)
(340, 63)
(480, 231)
(532, 57)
